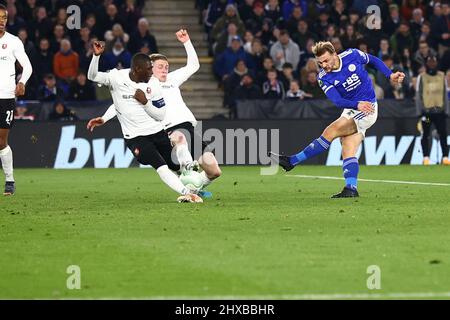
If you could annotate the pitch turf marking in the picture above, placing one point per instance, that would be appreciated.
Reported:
(331, 296)
(371, 180)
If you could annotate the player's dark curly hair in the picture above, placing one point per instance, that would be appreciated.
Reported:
(139, 59)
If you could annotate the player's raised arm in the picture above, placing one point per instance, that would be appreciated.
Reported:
(181, 75)
(24, 61)
(375, 62)
(93, 73)
(99, 121)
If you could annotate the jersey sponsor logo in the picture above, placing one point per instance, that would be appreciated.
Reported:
(4, 58)
(128, 96)
(4, 46)
(352, 82)
(351, 67)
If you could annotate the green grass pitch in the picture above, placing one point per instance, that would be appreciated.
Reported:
(260, 236)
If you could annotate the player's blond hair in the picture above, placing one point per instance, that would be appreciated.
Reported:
(157, 56)
(319, 48)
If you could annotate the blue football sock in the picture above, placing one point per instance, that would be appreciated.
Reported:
(313, 149)
(351, 169)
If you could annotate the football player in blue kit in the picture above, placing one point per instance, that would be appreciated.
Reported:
(345, 81)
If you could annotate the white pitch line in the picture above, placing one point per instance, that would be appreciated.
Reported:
(331, 296)
(371, 180)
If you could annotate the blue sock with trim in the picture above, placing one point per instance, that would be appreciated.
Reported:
(350, 167)
(313, 149)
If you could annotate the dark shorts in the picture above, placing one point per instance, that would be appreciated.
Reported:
(192, 137)
(154, 150)
(7, 108)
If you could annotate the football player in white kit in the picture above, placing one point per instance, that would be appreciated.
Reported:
(11, 49)
(140, 107)
(179, 121)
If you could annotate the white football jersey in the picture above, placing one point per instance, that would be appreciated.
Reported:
(134, 119)
(176, 109)
(11, 49)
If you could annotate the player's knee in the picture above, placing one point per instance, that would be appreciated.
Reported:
(177, 138)
(3, 143)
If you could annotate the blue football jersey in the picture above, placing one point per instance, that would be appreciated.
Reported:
(351, 80)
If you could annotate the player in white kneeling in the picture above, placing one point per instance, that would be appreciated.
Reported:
(179, 121)
(140, 107)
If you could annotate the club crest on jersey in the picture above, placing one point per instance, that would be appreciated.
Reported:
(351, 67)
(4, 46)
(149, 90)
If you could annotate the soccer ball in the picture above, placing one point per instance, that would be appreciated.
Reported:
(192, 180)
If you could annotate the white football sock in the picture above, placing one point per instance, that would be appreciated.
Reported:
(206, 181)
(170, 178)
(183, 154)
(6, 157)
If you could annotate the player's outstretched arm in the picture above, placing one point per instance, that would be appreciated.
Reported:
(396, 77)
(181, 75)
(99, 121)
(93, 73)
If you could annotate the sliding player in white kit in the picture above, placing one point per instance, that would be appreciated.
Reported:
(178, 118)
(11, 49)
(140, 107)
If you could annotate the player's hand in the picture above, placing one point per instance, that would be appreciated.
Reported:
(182, 35)
(366, 107)
(98, 47)
(96, 122)
(139, 95)
(397, 77)
(20, 89)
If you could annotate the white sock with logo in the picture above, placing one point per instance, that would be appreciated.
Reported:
(206, 181)
(6, 157)
(183, 155)
(171, 179)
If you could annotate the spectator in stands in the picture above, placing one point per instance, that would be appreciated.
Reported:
(385, 49)
(80, 45)
(441, 29)
(111, 36)
(272, 10)
(320, 26)
(273, 88)
(86, 56)
(66, 62)
(130, 14)
(294, 92)
(142, 40)
(336, 42)
(261, 75)
(81, 89)
(312, 87)
(256, 20)
(425, 34)
(311, 66)
(306, 54)
(94, 26)
(29, 46)
(421, 55)
(50, 91)
(330, 32)
(247, 89)
(339, 14)
(349, 39)
(401, 39)
(112, 17)
(445, 62)
(245, 9)
(379, 93)
(393, 22)
(232, 81)
(14, 23)
(58, 36)
(119, 57)
(226, 61)
(224, 40)
(303, 33)
(248, 41)
(292, 24)
(41, 26)
(22, 113)
(267, 35)
(416, 23)
(258, 53)
(230, 15)
(44, 60)
(289, 5)
(285, 50)
(317, 7)
(215, 10)
(62, 113)
(408, 7)
(287, 74)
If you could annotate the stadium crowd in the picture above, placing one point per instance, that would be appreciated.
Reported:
(262, 49)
